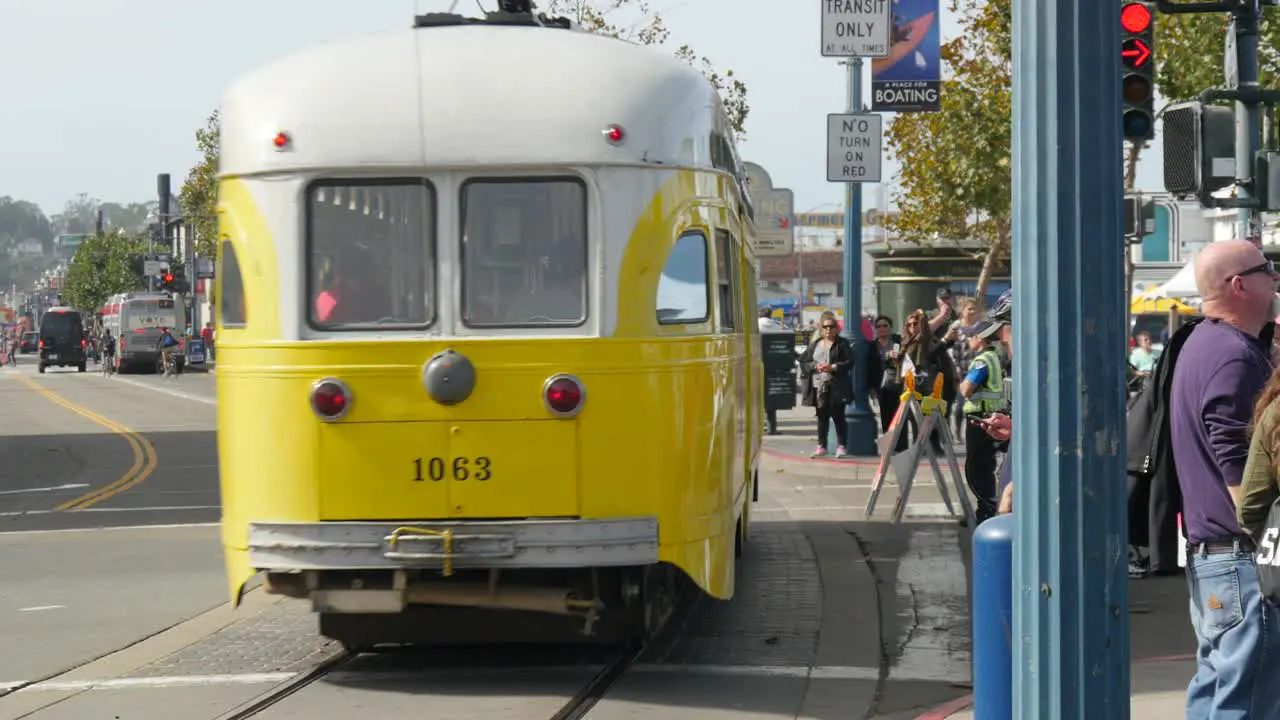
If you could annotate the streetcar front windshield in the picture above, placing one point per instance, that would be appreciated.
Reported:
(371, 254)
(145, 314)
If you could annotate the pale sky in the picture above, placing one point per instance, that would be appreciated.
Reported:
(104, 94)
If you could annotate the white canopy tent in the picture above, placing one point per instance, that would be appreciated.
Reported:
(1181, 285)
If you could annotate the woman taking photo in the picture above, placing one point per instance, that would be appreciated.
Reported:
(888, 387)
(929, 358)
(825, 383)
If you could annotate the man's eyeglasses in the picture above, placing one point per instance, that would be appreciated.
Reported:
(1268, 267)
(828, 327)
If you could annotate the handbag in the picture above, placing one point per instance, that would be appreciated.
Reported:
(1267, 558)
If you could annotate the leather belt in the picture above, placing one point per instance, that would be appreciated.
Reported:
(1221, 546)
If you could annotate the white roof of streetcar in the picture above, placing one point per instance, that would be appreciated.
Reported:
(470, 95)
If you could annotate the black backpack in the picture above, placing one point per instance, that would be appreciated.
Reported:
(1155, 498)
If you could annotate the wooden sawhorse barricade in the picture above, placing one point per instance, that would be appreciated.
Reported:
(929, 413)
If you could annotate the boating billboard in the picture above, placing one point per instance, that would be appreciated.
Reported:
(910, 78)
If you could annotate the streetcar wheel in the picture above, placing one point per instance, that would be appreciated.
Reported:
(659, 597)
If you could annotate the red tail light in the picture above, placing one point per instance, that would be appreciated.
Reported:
(83, 343)
(330, 399)
(40, 345)
(564, 395)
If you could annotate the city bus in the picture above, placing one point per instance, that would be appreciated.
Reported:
(497, 281)
(136, 320)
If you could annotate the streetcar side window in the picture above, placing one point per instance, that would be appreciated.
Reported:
(524, 252)
(727, 279)
(371, 254)
(682, 286)
(231, 305)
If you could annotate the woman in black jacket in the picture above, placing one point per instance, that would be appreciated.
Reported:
(825, 381)
(930, 358)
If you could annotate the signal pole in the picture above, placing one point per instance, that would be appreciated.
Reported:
(1244, 66)
(1070, 633)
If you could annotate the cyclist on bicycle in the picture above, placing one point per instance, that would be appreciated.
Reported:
(108, 345)
(168, 345)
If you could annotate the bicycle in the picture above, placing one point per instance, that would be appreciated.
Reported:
(169, 364)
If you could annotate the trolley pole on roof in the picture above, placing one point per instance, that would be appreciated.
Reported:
(1070, 582)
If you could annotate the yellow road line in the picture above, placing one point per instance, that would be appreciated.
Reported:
(144, 453)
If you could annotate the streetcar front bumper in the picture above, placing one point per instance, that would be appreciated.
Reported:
(507, 544)
(297, 558)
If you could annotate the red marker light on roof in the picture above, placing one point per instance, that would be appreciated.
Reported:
(281, 141)
(614, 134)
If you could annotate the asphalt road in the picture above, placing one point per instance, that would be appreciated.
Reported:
(81, 450)
(84, 461)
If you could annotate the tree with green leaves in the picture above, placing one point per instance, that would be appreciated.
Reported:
(198, 197)
(955, 165)
(636, 21)
(104, 264)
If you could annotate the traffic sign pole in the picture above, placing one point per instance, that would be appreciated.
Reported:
(861, 424)
(854, 31)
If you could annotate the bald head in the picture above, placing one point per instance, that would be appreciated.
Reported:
(1219, 261)
(1234, 285)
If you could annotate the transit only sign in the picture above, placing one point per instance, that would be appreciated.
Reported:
(856, 28)
(854, 148)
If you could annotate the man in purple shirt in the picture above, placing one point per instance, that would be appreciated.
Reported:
(1218, 376)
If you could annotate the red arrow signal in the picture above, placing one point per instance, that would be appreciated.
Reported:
(783, 223)
(1135, 53)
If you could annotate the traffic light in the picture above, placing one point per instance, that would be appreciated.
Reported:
(1139, 217)
(1137, 46)
(178, 279)
(166, 281)
(1199, 149)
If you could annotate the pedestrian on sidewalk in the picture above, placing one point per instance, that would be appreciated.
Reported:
(888, 387)
(1223, 366)
(825, 382)
(983, 390)
(929, 357)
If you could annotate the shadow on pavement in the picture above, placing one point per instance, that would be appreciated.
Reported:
(39, 473)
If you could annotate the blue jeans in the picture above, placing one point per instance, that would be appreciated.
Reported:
(1236, 631)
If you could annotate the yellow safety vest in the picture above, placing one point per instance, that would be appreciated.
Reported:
(990, 397)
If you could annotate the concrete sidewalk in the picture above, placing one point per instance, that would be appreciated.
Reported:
(1162, 647)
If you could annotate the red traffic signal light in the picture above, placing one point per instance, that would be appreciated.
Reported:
(167, 278)
(1135, 18)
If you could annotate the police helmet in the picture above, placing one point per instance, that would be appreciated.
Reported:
(1002, 311)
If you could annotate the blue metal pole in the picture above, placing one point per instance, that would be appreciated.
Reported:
(1070, 582)
(861, 432)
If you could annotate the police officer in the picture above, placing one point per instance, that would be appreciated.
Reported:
(983, 390)
(1000, 425)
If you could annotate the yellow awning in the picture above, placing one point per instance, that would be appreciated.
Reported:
(1145, 304)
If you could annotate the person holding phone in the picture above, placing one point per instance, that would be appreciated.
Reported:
(983, 391)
